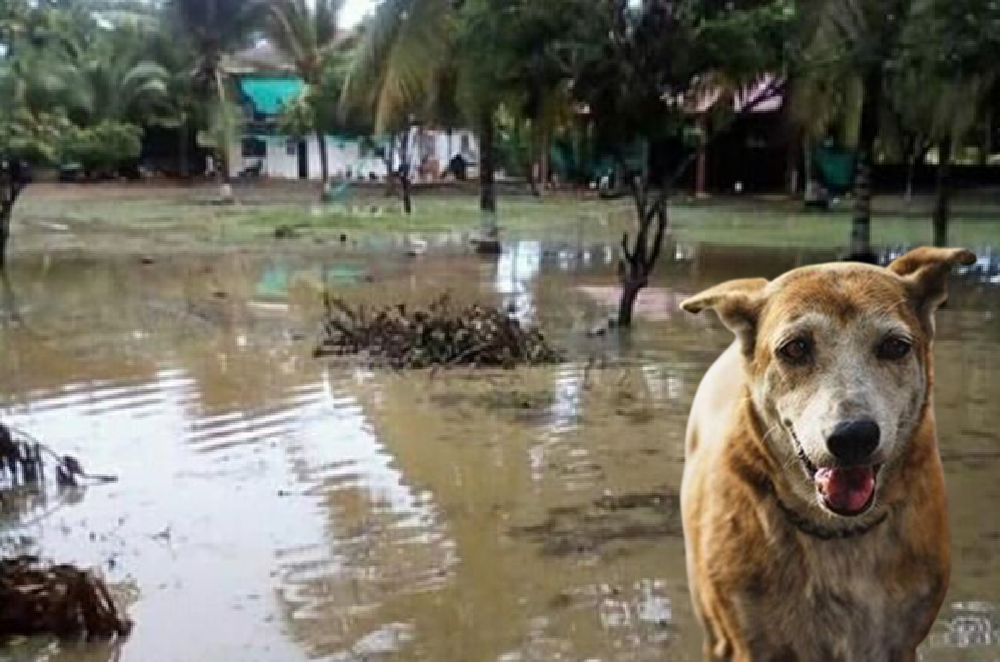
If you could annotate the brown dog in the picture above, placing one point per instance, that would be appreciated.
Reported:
(813, 496)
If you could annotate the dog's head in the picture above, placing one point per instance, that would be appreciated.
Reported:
(838, 359)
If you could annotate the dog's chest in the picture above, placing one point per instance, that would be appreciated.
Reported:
(849, 604)
(832, 603)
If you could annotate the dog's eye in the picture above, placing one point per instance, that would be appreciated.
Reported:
(796, 351)
(894, 349)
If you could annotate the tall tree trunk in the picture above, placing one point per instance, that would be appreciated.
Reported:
(222, 174)
(487, 156)
(986, 146)
(222, 151)
(185, 157)
(532, 162)
(640, 256)
(5, 214)
(792, 172)
(13, 179)
(404, 180)
(701, 165)
(942, 193)
(861, 231)
(324, 158)
(388, 156)
(807, 165)
(405, 153)
(911, 167)
(544, 157)
(626, 306)
(489, 242)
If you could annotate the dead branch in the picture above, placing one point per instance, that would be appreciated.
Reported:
(61, 600)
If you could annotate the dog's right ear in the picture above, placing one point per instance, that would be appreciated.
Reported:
(738, 304)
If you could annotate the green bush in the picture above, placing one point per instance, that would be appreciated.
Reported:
(103, 147)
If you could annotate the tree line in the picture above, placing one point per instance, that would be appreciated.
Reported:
(81, 79)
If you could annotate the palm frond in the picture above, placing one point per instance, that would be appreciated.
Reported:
(404, 44)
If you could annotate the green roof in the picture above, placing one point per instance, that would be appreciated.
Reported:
(269, 95)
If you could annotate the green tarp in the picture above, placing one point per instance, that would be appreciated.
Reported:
(835, 168)
(270, 94)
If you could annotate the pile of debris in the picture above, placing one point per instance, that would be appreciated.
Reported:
(36, 598)
(61, 600)
(442, 335)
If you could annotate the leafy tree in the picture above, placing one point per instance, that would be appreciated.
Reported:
(410, 50)
(307, 33)
(51, 113)
(116, 80)
(25, 138)
(639, 72)
(854, 45)
(950, 56)
(214, 28)
(102, 147)
(531, 64)
(480, 31)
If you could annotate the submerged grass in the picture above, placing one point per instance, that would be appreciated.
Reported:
(751, 223)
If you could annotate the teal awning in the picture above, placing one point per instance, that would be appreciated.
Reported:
(269, 95)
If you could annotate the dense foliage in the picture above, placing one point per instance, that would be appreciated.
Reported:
(81, 80)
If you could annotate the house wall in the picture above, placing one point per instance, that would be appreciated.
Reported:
(282, 160)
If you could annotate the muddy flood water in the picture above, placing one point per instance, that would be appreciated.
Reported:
(275, 507)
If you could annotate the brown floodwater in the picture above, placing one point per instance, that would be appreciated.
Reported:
(274, 507)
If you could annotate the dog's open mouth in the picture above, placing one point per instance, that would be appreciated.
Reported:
(846, 491)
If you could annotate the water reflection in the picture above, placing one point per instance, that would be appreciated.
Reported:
(273, 507)
(517, 270)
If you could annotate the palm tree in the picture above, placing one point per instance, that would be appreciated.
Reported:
(306, 32)
(853, 43)
(214, 28)
(116, 80)
(406, 51)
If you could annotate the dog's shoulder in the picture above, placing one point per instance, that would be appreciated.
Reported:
(715, 402)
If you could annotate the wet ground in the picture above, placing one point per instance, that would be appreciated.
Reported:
(272, 507)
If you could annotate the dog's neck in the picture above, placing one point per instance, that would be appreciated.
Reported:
(810, 528)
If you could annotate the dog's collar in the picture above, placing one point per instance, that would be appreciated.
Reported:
(823, 533)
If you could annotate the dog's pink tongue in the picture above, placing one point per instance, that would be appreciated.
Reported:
(846, 490)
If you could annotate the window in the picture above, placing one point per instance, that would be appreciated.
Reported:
(292, 147)
(254, 148)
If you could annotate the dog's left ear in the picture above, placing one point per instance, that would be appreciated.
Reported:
(738, 304)
(925, 272)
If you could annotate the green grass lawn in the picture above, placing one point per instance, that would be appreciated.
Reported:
(180, 213)
(792, 228)
(764, 224)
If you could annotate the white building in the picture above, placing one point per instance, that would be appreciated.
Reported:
(263, 148)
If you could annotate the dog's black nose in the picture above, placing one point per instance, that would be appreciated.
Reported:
(853, 442)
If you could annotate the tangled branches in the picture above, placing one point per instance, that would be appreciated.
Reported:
(40, 599)
(22, 462)
(59, 599)
(442, 335)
